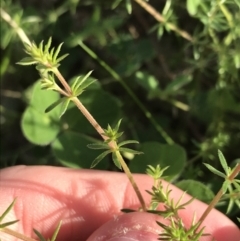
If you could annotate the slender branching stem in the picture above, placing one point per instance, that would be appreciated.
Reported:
(62, 80)
(117, 77)
(15, 26)
(161, 19)
(130, 177)
(16, 234)
(218, 195)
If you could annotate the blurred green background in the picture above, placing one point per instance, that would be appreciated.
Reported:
(179, 98)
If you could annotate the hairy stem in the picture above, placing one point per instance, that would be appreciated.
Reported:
(218, 196)
(131, 179)
(63, 81)
(161, 19)
(116, 76)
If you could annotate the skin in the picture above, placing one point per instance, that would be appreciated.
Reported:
(85, 200)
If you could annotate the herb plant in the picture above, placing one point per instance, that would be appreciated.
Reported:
(215, 40)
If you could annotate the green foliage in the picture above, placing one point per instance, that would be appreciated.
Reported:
(196, 189)
(54, 236)
(112, 135)
(178, 96)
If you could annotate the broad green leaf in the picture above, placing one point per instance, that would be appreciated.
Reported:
(155, 153)
(116, 161)
(39, 128)
(104, 107)
(70, 148)
(192, 6)
(41, 99)
(215, 171)
(196, 189)
(223, 162)
(99, 158)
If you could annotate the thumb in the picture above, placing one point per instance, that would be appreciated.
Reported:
(136, 226)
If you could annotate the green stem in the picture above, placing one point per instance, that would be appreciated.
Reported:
(218, 196)
(131, 179)
(113, 146)
(116, 76)
(161, 19)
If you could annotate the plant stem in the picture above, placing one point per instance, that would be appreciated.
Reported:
(116, 76)
(63, 81)
(218, 196)
(131, 179)
(15, 26)
(161, 19)
(113, 146)
(16, 234)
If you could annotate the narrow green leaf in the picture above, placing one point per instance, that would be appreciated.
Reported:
(56, 231)
(41, 238)
(98, 146)
(128, 5)
(61, 58)
(57, 52)
(84, 86)
(130, 151)
(55, 104)
(115, 161)
(73, 86)
(127, 142)
(27, 61)
(84, 79)
(230, 206)
(48, 45)
(115, 4)
(118, 125)
(7, 210)
(223, 162)
(39, 48)
(215, 171)
(3, 225)
(51, 54)
(99, 158)
(64, 106)
(225, 186)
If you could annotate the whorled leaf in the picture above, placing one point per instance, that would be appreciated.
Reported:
(100, 157)
(116, 161)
